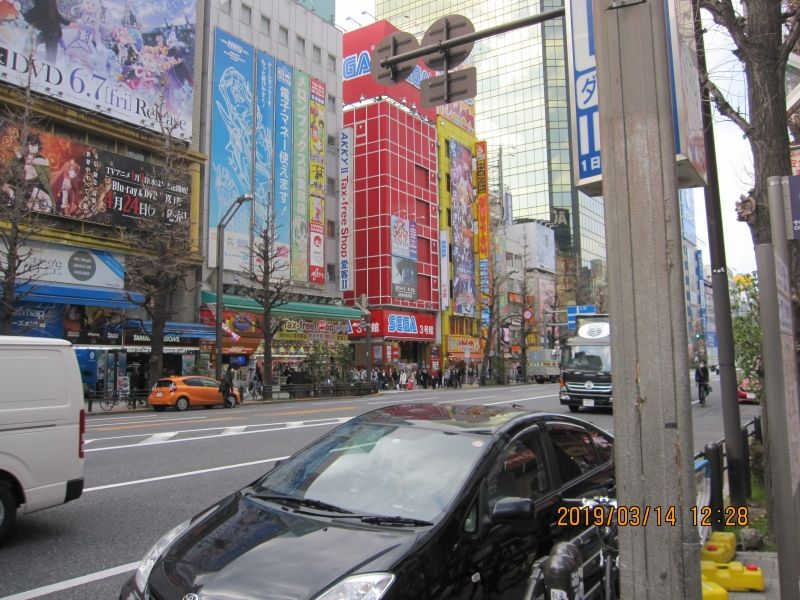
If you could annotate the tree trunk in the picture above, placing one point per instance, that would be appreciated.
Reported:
(266, 390)
(158, 315)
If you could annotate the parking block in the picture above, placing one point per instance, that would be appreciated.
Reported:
(720, 547)
(734, 576)
(712, 591)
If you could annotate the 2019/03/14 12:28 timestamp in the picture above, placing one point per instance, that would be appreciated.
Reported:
(641, 516)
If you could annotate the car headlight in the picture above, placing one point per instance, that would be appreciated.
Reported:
(143, 572)
(370, 586)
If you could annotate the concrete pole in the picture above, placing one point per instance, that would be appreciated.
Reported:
(652, 408)
(780, 386)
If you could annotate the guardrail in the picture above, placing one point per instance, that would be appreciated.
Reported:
(712, 461)
(326, 390)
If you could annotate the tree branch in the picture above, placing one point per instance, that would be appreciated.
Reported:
(722, 104)
(724, 15)
(791, 38)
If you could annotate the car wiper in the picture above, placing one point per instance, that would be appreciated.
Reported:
(308, 502)
(386, 520)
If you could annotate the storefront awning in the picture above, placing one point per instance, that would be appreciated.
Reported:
(188, 330)
(64, 293)
(302, 310)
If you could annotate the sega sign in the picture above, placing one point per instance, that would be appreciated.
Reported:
(357, 81)
(392, 324)
(401, 324)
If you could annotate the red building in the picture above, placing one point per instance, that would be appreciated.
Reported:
(396, 226)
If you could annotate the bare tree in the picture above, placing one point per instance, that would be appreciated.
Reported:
(160, 239)
(270, 276)
(25, 200)
(763, 34)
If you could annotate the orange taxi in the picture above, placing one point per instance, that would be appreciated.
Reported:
(183, 392)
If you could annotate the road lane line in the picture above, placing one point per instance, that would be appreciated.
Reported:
(520, 400)
(71, 583)
(178, 475)
(158, 437)
(102, 422)
(283, 427)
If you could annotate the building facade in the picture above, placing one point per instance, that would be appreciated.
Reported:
(522, 112)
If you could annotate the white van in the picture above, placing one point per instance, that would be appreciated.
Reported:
(42, 426)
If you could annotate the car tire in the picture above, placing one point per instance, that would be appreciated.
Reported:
(159, 408)
(182, 403)
(8, 510)
(574, 408)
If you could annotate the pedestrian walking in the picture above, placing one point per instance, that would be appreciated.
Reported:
(701, 377)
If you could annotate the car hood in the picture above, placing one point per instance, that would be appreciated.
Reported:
(248, 549)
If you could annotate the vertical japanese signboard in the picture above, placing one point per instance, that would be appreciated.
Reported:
(444, 268)
(346, 215)
(265, 149)
(316, 219)
(583, 87)
(231, 155)
(301, 95)
(462, 196)
(283, 152)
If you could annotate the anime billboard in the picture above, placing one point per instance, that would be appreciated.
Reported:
(231, 155)
(462, 196)
(116, 58)
(77, 181)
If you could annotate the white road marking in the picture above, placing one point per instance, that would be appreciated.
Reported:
(233, 430)
(251, 430)
(157, 438)
(177, 475)
(521, 400)
(71, 583)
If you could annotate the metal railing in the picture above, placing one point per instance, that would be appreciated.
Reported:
(714, 455)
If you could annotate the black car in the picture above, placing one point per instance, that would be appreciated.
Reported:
(412, 501)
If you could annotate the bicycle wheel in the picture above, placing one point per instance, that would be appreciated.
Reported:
(107, 402)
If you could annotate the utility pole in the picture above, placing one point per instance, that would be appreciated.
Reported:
(653, 426)
(734, 445)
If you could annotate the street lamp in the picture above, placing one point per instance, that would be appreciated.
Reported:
(221, 269)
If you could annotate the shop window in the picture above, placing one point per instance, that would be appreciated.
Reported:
(316, 54)
(331, 103)
(330, 186)
(331, 63)
(225, 6)
(331, 141)
(331, 272)
(283, 36)
(266, 24)
(300, 45)
(330, 227)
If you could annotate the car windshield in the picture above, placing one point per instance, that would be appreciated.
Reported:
(587, 358)
(380, 470)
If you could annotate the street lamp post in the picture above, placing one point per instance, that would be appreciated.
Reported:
(221, 269)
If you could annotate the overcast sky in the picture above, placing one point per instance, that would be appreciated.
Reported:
(734, 160)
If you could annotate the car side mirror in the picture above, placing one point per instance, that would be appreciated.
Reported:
(513, 510)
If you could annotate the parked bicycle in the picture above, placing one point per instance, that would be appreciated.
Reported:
(602, 557)
(110, 400)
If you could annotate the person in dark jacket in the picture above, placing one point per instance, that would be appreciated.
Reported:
(45, 17)
(701, 377)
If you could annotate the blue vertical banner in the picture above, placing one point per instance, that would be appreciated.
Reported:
(583, 87)
(283, 156)
(265, 140)
(231, 155)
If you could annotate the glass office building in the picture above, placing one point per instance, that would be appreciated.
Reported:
(522, 107)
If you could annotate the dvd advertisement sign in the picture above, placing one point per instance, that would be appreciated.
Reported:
(114, 58)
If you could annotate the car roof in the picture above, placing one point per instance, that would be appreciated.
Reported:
(465, 418)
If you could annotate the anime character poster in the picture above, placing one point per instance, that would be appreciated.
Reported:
(117, 58)
(462, 197)
(231, 156)
(68, 179)
(316, 219)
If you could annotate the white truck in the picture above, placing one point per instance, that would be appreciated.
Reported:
(586, 365)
